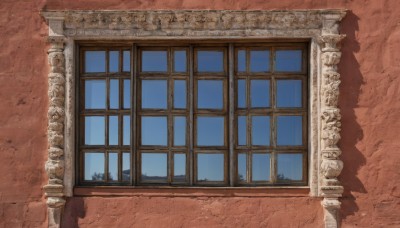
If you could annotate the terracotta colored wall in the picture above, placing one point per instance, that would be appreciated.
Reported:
(370, 104)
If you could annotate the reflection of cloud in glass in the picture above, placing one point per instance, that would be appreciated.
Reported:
(290, 166)
(210, 167)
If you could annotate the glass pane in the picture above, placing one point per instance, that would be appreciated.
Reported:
(154, 61)
(288, 60)
(95, 61)
(127, 94)
(210, 131)
(113, 61)
(112, 166)
(242, 167)
(154, 130)
(154, 167)
(260, 130)
(210, 94)
(261, 167)
(154, 94)
(180, 61)
(127, 130)
(241, 61)
(259, 93)
(113, 130)
(210, 61)
(95, 94)
(242, 94)
(126, 167)
(94, 130)
(289, 131)
(114, 94)
(126, 67)
(179, 167)
(290, 167)
(210, 167)
(179, 131)
(259, 61)
(179, 94)
(288, 93)
(242, 129)
(94, 166)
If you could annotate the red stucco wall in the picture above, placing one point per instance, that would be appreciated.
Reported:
(370, 104)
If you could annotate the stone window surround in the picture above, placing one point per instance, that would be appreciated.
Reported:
(320, 27)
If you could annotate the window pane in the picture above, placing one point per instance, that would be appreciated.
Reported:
(154, 94)
(242, 129)
(210, 131)
(210, 167)
(179, 167)
(154, 61)
(112, 166)
(126, 67)
(179, 131)
(94, 166)
(154, 167)
(154, 130)
(127, 94)
(179, 94)
(242, 167)
(95, 61)
(259, 93)
(94, 130)
(288, 60)
(126, 167)
(288, 93)
(95, 94)
(210, 61)
(180, 61)
(210, 94)
(113, 130)
(242, 94)
(241, 61)
(259, 61)
(290, 167)
(260, 130)
(127, 130)
(113, 61)
(289, 131)
(114, 94)
(261, 167)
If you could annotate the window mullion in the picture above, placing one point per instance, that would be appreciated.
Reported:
(231, 116)
(134, 131)
(190, 92)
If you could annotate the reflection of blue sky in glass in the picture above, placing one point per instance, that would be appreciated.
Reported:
(126, 122)
(290, 166)
(259, 61)
(94, 130)
(259, 93)
(210, 131)
(154, 61)
(113, 130)
(113, 61)
(154, 94)
(288, 60)
(95, 61)
(242, 167)
(179, 94)
(94, 164)
(242, 126)
(154, 130)
(180, 61)
(210, 61)
(210, 167)
(126, 67)
(241, 93)
(260, 130)
(95, 94)
(289, 130)
(261, 167)
(210, 94)
(126, 166)
(179, 167)
(154, 166)
(179, 131)
(113, 166)
(127, 94)
(114, 94)
(241, 60)
(288, 93)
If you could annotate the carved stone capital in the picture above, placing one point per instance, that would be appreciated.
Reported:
(330, 42)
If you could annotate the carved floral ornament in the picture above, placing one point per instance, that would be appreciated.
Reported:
(321, 27)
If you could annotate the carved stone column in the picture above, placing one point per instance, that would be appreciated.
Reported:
(54, 190)
(331, 165)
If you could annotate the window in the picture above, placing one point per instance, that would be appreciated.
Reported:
(160, 114)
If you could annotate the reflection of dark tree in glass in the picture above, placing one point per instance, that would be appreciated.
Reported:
(241, 177)
(282, 177)
(98, 176)
(126, 174)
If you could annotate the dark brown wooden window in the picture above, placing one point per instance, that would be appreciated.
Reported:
(229, 114)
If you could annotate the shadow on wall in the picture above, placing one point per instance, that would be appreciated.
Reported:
(351, 133)
(74, 209)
